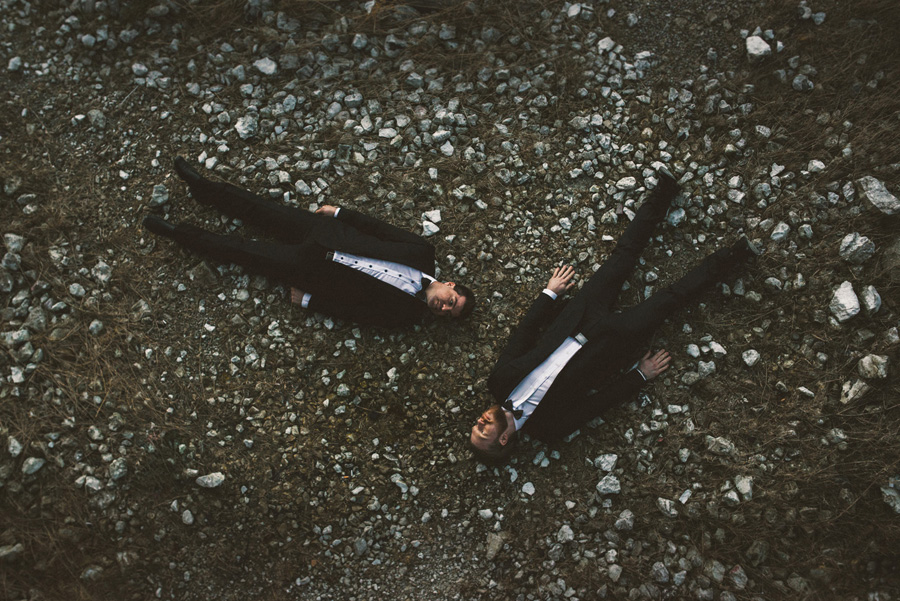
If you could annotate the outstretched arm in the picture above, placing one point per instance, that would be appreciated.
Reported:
(651, 367)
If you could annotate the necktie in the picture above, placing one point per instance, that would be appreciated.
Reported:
(425, 283)
(507, 404)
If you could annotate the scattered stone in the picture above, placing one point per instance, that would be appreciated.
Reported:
(844, 303)
(266, 66)
(853, 391)
(609, 485)
(871, 300)
(750, 357)
(667, 507)
(757, 48)
(856, 249)
(878, 196)
(159, 196)
(11, 553)
(873, 367)
(565, 534)
(211, 480)
(32, 465)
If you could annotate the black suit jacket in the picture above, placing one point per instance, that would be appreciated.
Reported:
(343, 292)
(590, 383)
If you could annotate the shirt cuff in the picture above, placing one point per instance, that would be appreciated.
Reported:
(549, 293)
(336, 211)
(641, 374)
(304, 302)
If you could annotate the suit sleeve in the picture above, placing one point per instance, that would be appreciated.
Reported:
(366, 314)
(619, 391)
(378, 228)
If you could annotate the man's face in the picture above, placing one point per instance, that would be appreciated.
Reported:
(442, 299)
(490, 426)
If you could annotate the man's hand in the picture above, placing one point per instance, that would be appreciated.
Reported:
(655, 365)
(297, 296)
(562, 279)
(326, 210)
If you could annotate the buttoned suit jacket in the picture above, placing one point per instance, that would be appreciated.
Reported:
(590, 382)
(344, 292)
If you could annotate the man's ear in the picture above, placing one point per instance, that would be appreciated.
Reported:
(450, 284)
(504, 438)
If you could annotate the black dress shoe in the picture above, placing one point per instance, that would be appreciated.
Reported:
(187, 173)
(159, 226)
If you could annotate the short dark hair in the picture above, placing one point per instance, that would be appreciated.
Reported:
(496, 454)
(463, 290)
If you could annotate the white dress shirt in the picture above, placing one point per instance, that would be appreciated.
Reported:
(402, 277)
(531, 390)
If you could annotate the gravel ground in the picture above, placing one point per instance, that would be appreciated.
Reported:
(175, 429)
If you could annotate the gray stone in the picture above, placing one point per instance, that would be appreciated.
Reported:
(626, 183)
(676, 217)
(118, 469)
(625, 521)
(802, 83)
(159, 196)
(187, 518)
(873, 367)
(856, 249)
(32, 465)
(266, 66)
(609, 485)
(606, 462)
(565, 534)
(780, 232)
(744, 486)
(853, 391)
(878, 196)
(614, 572)
(429, 228)
(14, 447)
(667, 507)
(871, 300)
(10, 553)
(844, 303)
(211, 480)
(659, 572)
(720, 445)
(750, 357)
(247, 126)
(528, 489)
(891, 493)
(757, 48)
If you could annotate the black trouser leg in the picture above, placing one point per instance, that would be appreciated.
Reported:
(638, 323)
(290, 224)
(604, 286)
(275, 260)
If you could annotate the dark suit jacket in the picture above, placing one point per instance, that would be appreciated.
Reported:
(590, 383)
(343, 292)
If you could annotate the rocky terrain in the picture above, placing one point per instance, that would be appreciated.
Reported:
(174, 429)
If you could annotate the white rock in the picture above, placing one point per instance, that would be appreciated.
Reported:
(528, 488)
(609, 485)
(14, 447)
(246, 126)
(565, 534)
(871, 300)
(780, 232)
(187, 517)
(15, 63)
(757, 47)
(873, 367)
(750, 357)
(211, 480)
(627, 183)
(844, 303)
(485, 514)
(429, 228)
(693, 350)
(32, 465)
(815, 166)
(447, 149)
(433, 216)
(605, 45)
(853, 391)
(717, 349)
(744, 485)
(667, 507)
(266, 66)
(606, 462)
(856, 249)
(874, 191)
